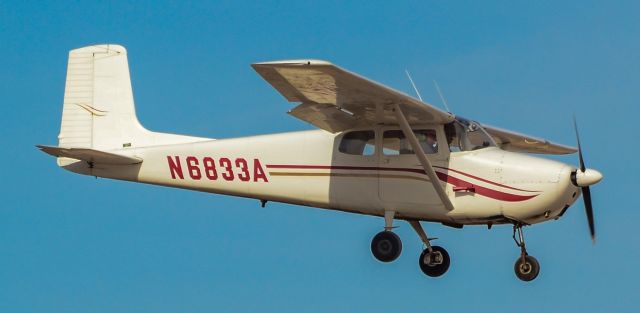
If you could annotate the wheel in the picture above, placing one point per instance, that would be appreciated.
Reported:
(528, 269)
(386, 246)
(436, 263)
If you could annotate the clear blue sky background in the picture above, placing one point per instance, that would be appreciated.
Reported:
(71, 243)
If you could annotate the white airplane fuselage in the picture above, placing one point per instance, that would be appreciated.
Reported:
(486, 186)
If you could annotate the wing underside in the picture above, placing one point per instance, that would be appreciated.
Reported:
(334, 99)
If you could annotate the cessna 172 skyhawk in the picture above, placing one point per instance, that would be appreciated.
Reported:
(378, 152)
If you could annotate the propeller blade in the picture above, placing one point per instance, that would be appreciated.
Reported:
(588, 208)
(575, 127)
(586, 192)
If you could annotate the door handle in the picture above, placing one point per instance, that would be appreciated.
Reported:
(464, 189)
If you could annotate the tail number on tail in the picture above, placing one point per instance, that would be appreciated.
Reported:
(212, 169)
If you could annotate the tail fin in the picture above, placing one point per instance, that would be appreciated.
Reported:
(98, 111)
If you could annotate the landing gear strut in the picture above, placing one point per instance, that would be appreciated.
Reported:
(527, 267)
(434, 261)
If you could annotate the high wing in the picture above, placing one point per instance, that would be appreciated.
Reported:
(334, 99)
(516, 142)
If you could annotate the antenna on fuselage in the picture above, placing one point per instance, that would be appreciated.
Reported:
(413, 84)
(444, 101)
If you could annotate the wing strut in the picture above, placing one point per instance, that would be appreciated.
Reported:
(422, 157)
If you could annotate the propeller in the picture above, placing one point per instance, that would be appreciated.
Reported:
(584, 179)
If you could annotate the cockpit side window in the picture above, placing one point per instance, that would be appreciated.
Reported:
(395, 143)
(358, 143)
(465, 135)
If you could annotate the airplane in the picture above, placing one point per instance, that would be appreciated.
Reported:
(377, 151)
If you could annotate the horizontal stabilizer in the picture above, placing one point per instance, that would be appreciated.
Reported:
(90, 155)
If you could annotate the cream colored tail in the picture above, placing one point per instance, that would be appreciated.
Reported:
(98, 111)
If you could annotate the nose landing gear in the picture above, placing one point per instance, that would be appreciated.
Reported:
(526, 267)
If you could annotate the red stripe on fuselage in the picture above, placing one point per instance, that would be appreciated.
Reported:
(482, 179)
(484, 191)
(487, 192)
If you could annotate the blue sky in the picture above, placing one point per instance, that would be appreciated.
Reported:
(78, 244)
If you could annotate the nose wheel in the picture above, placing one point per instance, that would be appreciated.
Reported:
(527, 267)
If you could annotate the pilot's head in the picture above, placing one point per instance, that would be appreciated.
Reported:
(431, 138)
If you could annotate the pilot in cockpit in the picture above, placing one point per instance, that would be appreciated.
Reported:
(430, 143)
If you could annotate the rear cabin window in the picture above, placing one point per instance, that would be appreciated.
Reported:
(395, 143)
(358, 143)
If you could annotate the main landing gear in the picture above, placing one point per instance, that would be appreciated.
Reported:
(386, 246)
(527, 267)
(434, 261)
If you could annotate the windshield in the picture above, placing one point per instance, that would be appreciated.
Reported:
(466, 135)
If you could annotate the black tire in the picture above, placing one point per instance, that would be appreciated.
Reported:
(528, 269)
(386, 246)
(433, 269)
